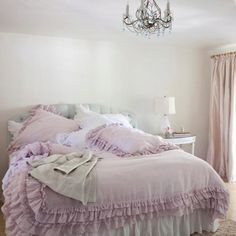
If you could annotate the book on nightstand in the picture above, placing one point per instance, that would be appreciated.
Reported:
(181, 134)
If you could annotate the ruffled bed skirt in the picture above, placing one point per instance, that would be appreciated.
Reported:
(197, 222)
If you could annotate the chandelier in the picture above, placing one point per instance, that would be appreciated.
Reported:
(148, 19)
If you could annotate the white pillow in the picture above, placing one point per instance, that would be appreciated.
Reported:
(119, 118)
(74, 139)
(83, 112)
(14, 128)
(89, 118)
(94, 121)
(77, 138)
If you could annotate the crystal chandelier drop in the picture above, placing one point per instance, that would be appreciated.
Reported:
(148, 19)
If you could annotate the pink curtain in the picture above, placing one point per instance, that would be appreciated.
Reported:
(222, 116)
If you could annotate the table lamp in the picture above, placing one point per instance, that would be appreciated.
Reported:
(165, 106)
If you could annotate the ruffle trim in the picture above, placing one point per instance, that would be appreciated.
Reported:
(26, 207)
(33, 149)
(95, 142)
(26, 212)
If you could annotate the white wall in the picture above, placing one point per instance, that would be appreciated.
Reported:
(44, 70)
(141, 73)
(48, 70)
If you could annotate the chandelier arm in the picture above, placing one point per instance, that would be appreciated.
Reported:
(150, 24)
(159, 20)
(130, 23)
(166, 22)
(133, 25)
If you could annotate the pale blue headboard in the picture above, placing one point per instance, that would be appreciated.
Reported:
(68, 111)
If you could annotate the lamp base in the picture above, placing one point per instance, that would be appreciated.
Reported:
(165, 125)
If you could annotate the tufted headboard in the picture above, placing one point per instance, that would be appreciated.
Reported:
(68, 111)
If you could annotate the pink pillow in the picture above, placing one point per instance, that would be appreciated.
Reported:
(42, 126)
(123, 141)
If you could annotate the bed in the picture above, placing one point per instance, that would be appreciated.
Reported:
(167, 193)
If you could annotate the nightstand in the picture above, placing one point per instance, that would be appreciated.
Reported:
(182, 141)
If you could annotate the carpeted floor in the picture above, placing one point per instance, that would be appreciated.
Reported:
(227, 228)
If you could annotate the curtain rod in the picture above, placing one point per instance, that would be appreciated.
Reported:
(223, 54)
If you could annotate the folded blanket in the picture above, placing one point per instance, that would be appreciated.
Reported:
(70, 175)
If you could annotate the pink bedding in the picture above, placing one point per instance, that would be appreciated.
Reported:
(128, 189)
(124, 142)
(43, 125)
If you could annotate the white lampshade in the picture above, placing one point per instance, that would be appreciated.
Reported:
(165, 105)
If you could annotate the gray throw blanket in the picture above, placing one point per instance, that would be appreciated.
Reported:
(72, 175)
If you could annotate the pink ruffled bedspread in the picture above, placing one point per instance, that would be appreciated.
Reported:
(128, 190)
(123, 141)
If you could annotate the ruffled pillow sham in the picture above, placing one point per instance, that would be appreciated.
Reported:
(42, 125)
(122, 141)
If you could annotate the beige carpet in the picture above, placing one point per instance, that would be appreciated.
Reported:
(227, 228)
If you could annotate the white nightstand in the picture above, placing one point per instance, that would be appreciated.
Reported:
(182, 141)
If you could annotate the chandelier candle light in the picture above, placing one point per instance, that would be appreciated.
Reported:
(149, 19)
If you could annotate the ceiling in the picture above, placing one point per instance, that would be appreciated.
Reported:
(205, 23)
